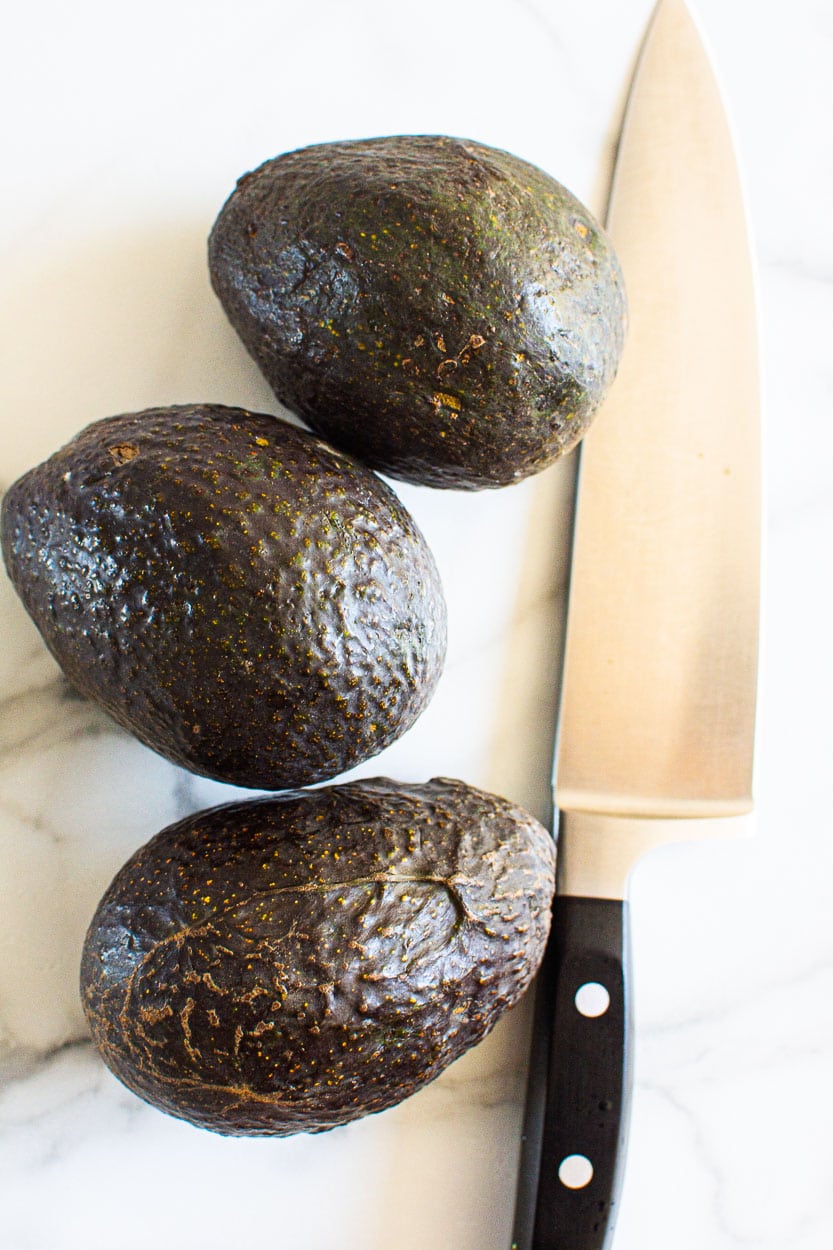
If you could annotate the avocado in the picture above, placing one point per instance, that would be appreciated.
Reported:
(443, 310)
(246, 600)
(290, 963)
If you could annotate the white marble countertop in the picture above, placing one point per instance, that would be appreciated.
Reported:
(125, 129)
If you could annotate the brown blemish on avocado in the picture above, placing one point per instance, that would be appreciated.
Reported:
(123, 452)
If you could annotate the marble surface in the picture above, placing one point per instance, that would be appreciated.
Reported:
(124, 131)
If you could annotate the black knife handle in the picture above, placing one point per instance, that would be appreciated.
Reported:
(579, 1082)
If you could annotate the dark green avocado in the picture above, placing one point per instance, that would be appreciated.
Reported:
(291, 963)
(248, 601)
(446, 312)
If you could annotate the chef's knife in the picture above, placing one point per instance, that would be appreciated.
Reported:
(658, 704)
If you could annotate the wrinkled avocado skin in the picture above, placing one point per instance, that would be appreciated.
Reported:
(246, 600)
(445, 311)
(292, 963)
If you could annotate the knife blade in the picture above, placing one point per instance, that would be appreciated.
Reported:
(656, 727)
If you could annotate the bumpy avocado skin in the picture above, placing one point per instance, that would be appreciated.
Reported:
(246, 600)
(445, 311)
(292, 963)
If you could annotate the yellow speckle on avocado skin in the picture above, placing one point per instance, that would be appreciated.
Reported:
(441, 399)
(262, 442)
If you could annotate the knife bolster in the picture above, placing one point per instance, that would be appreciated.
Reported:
(597, 850)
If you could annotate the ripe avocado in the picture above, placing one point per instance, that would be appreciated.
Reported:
(446, 312)
(248, 601)
(291, 963)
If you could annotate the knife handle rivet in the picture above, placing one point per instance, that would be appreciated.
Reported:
(592, 999)
(575, 1171)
